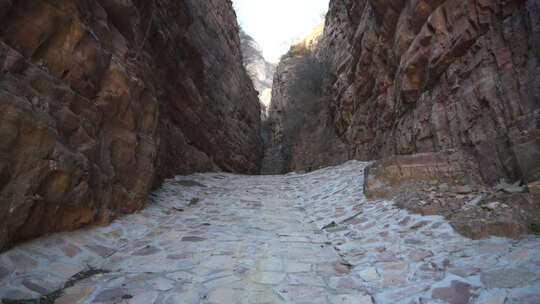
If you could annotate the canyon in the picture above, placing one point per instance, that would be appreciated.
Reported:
(444, 93)
(150, 154)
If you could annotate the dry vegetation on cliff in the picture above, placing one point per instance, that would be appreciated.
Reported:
(102, 99)
(301, 138)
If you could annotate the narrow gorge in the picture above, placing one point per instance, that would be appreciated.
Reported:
(149, 153)
(445, 94)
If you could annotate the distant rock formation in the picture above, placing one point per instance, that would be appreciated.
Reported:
(444, 94)
(260, 70)
(101, 99)
(302, 136)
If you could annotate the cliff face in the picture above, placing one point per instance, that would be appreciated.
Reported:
(302, 134)
(100, 98)
(415, 76)
(260, 70)
(212, 121)
(422, 76)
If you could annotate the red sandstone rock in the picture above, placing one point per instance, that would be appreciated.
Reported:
(301, 138)
(100, 98)
(411, 79)
(457, 293)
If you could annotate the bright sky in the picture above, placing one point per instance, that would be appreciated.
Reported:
(275, 24)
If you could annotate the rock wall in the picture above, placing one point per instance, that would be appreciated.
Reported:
(260, 70)
(100, 99)
(261, 73)
(449, 183)
(302, 134)
(416, 76)
(213, 119)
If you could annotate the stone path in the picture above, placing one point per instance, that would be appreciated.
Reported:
(223, 238)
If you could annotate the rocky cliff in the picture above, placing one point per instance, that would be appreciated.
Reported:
(100, 99)
(302, 135)
(444, 93)
(414, 76)
(260, 70)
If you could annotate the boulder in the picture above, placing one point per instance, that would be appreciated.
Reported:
(383, 177)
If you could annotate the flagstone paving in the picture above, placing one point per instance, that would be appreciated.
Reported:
(225, 238)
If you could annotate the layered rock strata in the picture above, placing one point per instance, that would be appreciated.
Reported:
(100, 99)
(416, 76)
(260, 71)
(449, 183)
(443, 91)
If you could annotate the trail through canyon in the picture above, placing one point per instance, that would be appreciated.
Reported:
(295, 238)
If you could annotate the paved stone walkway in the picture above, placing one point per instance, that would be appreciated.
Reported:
(224, 238)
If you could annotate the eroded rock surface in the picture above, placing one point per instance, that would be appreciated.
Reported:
(101, 98)
(260, 71)
(224, 238)
(416, 76)
(302, 136)
(422, 76)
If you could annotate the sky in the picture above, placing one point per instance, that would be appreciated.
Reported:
(275, 24)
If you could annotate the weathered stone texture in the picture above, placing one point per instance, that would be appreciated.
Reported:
(302, 133)
(384, 177)
(415, 76)
(100, 98)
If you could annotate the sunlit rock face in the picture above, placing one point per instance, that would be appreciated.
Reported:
(414, 76)
(100, 99)
(260, 70)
